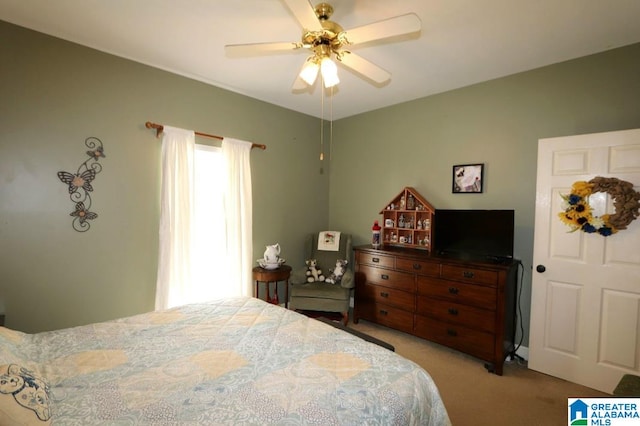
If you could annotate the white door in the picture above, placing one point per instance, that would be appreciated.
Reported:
(585, 300)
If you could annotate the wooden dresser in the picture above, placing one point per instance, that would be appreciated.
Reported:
(465, 305)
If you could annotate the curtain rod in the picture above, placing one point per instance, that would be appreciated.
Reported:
(160, 127)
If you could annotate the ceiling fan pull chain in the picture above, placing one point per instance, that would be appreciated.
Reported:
(322, 119)
(331, 124)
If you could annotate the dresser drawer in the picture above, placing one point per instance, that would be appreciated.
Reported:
(388, 278)
(397, 318)
(470, 275)
(473, 342)
(472, 317)
(418, 266)
(387, 295)
(467, 294)
(375, 259)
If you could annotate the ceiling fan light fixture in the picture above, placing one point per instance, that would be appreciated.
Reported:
(329, 72)
(309, 71)
(327, 39)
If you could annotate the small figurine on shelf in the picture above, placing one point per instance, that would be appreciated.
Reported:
(403, 203)
(375, 235)
(411, 202)
(401, 221)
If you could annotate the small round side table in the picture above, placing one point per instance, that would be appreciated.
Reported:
(268, 276)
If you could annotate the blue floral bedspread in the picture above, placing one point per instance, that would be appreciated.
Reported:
(237, 361)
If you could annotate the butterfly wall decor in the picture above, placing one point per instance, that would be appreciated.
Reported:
(79, 185)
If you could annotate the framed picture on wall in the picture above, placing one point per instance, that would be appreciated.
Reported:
(467, 178)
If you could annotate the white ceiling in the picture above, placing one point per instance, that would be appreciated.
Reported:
(462, 41)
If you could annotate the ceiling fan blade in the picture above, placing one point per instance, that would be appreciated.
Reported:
(305, 14)
(251, 49)
(364, 67)
(403, 24)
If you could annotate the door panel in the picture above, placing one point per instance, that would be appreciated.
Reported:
(563, 317)
(620, 318)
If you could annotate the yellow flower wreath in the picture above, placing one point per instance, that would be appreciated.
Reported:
(579, 215)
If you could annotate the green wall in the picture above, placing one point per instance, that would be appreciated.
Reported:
(497, 123)
(54, 94)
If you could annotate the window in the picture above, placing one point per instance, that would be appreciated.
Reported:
(208, 255)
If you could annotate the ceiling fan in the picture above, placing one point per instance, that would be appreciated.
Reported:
(327, 40)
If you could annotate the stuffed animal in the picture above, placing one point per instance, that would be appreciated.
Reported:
(337, 272)
(313, 272)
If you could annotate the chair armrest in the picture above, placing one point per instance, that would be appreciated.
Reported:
(347, 280)
(298, 276)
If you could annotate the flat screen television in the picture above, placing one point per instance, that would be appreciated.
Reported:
(474, 234)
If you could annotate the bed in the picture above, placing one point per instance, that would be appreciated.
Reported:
(231, 361)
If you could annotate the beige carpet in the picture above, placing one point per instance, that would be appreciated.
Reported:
(475, 397)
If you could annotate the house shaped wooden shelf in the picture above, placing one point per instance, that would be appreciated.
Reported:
(407, 220)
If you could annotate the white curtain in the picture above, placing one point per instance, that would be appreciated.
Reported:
(176, 209)
(175, 285)
(238, 208)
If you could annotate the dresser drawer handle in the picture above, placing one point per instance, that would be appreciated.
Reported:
(451, 332)
(383, 312)
(417, 266)
(453, 290)
(384, 276)
(384, 294)
(467, 274)
(453, 311)
(375, 260)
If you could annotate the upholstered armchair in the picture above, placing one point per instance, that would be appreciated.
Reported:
(322, 296)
